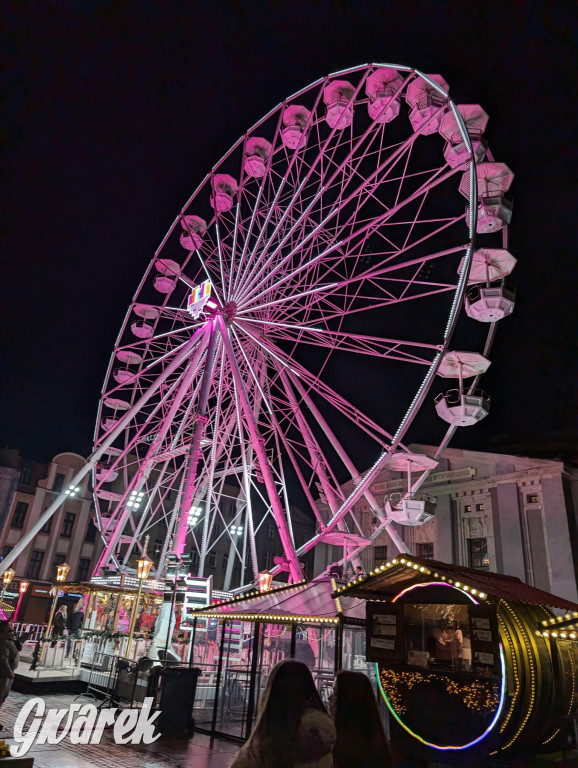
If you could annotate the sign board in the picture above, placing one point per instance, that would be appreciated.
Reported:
(199, 296)
(384, 632)
(198, 595)
(432, 479)
(40, 591)
(485, 641)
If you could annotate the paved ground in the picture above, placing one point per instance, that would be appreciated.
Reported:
(164, 753)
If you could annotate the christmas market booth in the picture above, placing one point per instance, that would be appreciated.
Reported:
(236, 643)
(475, 668)
(95, 627)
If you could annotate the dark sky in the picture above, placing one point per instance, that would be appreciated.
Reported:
(114, 111)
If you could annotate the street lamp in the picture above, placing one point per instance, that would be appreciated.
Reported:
(144, 566)
(61, 574)
(7, 577)
(265, 580)
(23, 587)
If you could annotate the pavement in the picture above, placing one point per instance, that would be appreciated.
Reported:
(164, 753)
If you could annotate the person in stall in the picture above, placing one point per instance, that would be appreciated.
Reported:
(293, 729)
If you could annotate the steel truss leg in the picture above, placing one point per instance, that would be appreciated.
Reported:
(195, 454)
(256, 440)
(105, 445)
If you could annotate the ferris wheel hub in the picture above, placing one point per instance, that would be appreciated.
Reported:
(229, 312)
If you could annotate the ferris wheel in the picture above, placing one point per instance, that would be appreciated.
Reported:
(326, 258)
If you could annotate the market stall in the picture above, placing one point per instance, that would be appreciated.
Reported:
(236, 643)
(471, 664)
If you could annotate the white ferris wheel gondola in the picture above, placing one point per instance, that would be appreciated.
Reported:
(457, 406)
(494, 204)
(257, 152)
(485, 302)
(338, 96)
(295, 121)
(194, 232)
(382, 87)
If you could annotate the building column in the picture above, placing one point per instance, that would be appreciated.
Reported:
(557, 539)
(444, 545)
(507, 531)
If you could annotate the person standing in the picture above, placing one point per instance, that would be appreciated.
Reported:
(293, 729)
(59, 621)
(361, 741)
(9, 658)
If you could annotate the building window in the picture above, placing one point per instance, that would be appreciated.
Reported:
(91, 532)
(375, 520)
(25, 475)
(194, 558)
(225, 561)
(67, 525)
(479, 507)
(217, 529)
(270, 531)
(35, 564)
(268, 560)
(467, 507)
(83, 569)
(425, 550)
(479, 554)
(58, 560)
(231, 510)
(531, 498)
(212, 559)
(6, 551)
(47, 525)
(19, 515)
(157, 547)
(380, 556)
(58, 483)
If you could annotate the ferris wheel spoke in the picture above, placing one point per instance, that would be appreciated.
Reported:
(368, 227)
(332, 214)
(323, 389)
(259, 449)
(322, 189)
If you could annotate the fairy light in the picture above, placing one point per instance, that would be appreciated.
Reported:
(470, 693)
(532, 666)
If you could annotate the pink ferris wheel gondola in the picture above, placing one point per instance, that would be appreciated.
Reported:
(305, 278)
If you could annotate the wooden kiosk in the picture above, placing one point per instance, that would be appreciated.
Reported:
(475, 668)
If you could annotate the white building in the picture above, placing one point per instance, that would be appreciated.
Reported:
(509, 514)
(69, 536)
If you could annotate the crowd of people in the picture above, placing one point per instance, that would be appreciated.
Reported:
(295, 730)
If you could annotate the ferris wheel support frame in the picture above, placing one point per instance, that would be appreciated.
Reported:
(256, 440)
(94, 458)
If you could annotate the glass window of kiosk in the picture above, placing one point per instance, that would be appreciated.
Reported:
(437, 636)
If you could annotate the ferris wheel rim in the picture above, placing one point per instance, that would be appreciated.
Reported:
(462, 283)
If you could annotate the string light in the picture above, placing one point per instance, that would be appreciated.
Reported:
(411, 678)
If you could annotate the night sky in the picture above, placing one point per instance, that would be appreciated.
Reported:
(114, 111)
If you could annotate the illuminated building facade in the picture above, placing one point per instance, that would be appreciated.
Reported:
(503, 513)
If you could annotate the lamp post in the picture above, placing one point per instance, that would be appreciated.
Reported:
(23, 587)
(61, 574)
(7, 577)
(144, 566)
